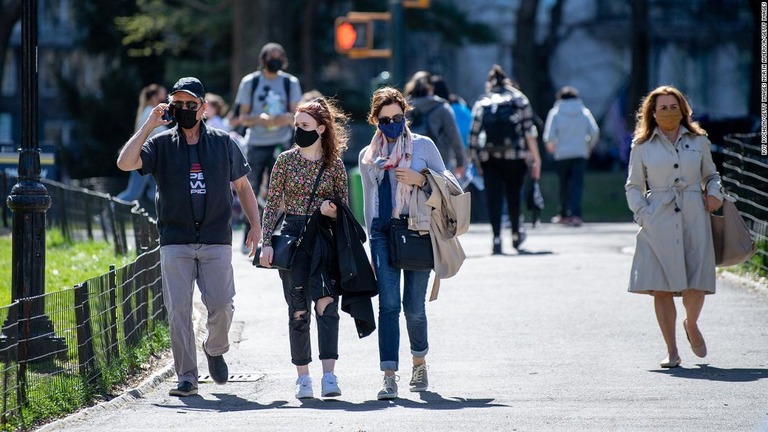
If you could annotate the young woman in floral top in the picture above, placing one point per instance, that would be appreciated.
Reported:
(320, 138)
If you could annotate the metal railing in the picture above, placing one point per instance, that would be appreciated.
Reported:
(745, 175)
(62, 348)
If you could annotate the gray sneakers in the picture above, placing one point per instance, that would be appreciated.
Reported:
(304, 387)
(419, 381)
(388, 388)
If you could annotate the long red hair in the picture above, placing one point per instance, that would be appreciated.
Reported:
(335, 137)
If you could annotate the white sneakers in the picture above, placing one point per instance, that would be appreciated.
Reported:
(330, 387)
(304, 387)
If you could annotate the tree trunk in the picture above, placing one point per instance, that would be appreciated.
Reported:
(638, 82)
(245, 30)
(524, 66)
(532, 60)
(307, 46)
(10, 13)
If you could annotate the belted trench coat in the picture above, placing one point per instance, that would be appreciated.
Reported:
(665, 191)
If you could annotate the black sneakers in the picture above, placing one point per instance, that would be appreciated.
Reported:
(217, 368)
(518, 239)
(185, 388)
(496, 246)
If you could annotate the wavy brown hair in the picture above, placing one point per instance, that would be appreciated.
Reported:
(382, 97)
(645, 123)
(335, 137)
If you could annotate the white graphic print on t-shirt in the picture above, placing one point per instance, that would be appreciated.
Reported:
(196, 179)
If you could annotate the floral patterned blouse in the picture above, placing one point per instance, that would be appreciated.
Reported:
(291, 184)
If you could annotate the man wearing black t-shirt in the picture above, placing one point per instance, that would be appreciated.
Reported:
(193, 167)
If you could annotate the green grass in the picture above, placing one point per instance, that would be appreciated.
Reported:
(57, 395)
(603, 198)
(52, 396)
(66, 264)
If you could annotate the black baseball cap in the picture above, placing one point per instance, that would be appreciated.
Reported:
(189, 85)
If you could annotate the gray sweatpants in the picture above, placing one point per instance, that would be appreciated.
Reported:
(211, 267)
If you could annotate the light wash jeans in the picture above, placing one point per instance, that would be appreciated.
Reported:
(413, 302)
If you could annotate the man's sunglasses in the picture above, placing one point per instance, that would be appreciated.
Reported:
(387, 120)
(191, 105)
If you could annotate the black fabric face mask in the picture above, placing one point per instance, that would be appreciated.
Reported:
(274, 65)
(305, 138)
(185, 118)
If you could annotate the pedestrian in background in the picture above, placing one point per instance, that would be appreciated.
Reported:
(320, 139)
(390, 167)
(139, 185)
(671, 188)
(437, 121)
(194, 166)
(504, 139)
(461, 111)
(267, 99)
(215, 111)
(570, 134)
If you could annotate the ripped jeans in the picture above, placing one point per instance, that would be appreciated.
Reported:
(300, 299)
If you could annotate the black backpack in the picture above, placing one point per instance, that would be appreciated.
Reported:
(419, 122)
(502, 122)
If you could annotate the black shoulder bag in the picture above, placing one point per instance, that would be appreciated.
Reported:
(284, 246)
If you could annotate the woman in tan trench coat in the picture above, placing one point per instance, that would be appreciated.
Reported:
(671, 188)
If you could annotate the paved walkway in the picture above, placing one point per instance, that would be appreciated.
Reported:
(548, 340)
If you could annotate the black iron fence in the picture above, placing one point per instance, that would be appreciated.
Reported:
(745, 175)
(60, 349)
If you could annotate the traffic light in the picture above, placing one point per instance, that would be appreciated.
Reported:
(355, 33)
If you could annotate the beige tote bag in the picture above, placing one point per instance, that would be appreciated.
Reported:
(730, 235)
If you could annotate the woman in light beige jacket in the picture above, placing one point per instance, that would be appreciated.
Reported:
(671, 188)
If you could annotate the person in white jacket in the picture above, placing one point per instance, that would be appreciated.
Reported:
(570, 134)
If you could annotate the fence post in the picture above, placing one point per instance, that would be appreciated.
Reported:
(88, 216)
(129, 322)
(114, 349)
(85, 354)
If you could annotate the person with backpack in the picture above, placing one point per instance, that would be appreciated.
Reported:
(503, 138)
(267, 99)
(433, 117)
(570, 134)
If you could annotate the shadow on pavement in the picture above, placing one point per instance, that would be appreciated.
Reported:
(710, 373)
(223, 403)
(521, 252)
(530, 252)
(232, 403)
(430, 401)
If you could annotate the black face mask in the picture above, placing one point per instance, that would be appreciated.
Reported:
(185, 118)
(274, 65)
(304, 138)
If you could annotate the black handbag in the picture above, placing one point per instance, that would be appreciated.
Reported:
(408, 249)
(284, 246)
(283, 251)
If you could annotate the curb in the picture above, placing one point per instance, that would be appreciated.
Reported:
(755, 283)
